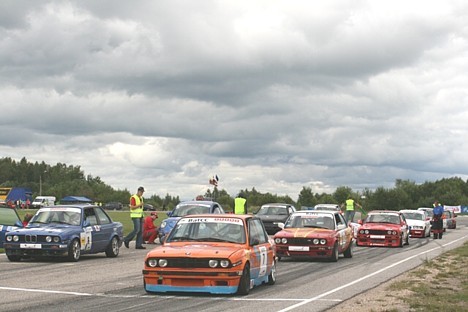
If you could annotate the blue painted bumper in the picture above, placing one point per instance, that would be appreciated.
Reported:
(203, 289)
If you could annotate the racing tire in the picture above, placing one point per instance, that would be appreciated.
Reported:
(334, 256)
(348, 253)
(272, 275)
(14, 258)
(244, 282)
(407, 240)
(112, 250)
(74, 251)
(401, 241)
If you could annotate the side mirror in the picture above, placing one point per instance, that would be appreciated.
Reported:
(281, 225)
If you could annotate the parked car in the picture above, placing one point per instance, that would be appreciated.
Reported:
(43, 201)
(419, 222)
(148, 207)
(187, 208)
(315, 234)
(218, 254)
(274, 214)
(113, 206)
(9, 221)
(65, 230)
(450, 219)
(383, 228)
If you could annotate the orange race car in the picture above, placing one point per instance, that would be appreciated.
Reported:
(218, 254)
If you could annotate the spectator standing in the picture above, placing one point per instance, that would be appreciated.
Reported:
(350, 208)
(240, 204)
(150, 231)
(136, 214)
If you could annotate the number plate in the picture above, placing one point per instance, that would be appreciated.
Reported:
(378, 236)
(31, 246)
(298, 248)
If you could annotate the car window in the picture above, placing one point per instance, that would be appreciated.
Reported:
(90, 216)
(256, 232)
(339, 219)
(102, 217)
(8, 216)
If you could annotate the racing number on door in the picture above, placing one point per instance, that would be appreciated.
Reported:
(263, 260)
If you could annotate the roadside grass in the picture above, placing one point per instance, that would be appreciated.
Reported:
(440, 284)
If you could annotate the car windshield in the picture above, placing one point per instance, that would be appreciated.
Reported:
(184, 210)
(272, 210)
(413, 216)
(8, 216)
(328, 208)
(320, 221)
(71, 217)
(383, 218)
(229, 230)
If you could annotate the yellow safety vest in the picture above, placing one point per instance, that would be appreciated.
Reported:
(136, 213)
(239, 205)
(349, 204)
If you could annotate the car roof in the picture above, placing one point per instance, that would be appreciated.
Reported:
(327, 205)
(221, 215)
(199, 202)
(277, 205)
(308, 212)
(383, 211)
(412, 210)
(79, 206)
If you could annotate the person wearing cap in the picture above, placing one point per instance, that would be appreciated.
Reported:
(136, 214)
(149, 230)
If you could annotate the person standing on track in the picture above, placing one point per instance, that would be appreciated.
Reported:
(136, 214)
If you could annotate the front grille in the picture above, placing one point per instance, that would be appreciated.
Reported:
(300, 241)
(32, 238)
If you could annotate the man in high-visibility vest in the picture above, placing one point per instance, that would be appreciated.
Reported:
(136, 214)
(350, 209)
(240, 206)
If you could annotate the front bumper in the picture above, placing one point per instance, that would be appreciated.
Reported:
(35, 250)
(313, 251)
(368, 240)
(173, 280)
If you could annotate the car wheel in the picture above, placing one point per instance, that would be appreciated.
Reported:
(112, 250)
(334, 256)
(14, 258)
(407, 240)
(74, 251)
(272, 276)
(349, 252)
(244, 282)
(401, 241)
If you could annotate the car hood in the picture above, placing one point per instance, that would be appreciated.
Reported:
(195, 250)
(305, 232)
(47, 230)
(273, 218)
(380, 226)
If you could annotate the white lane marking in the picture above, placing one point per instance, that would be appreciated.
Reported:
(367, 276)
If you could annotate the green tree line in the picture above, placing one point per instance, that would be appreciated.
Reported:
(61, 180)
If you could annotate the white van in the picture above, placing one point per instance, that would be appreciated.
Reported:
(42, 201)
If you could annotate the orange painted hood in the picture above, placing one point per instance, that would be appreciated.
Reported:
(196, 250)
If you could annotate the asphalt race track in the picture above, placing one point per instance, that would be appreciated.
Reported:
(103, 284)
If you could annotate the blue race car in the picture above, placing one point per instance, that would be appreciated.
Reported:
(66, 230)
(184, 209)
(9, 221)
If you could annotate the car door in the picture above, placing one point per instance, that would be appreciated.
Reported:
(93, 230)
(344, 232)
(106, 228)
(262, 254)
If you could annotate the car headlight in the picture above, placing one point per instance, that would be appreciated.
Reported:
(48, 239)
(394, 232)
(389, 232)
(284, 241)
(224, 263)
(16, 238)
(56, 239)
(9, 238)
(361, 231)
(323, 241)
(162, 263)
(153, 262)
(366, 231)
(213, 263)
(163, 224)
(277, 240)
(316, 241)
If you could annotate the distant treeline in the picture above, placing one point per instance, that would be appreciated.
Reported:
(61, 180)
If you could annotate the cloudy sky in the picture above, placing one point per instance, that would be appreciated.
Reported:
(274, 95)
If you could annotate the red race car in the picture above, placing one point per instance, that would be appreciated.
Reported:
(315, 234)
(384, 228)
